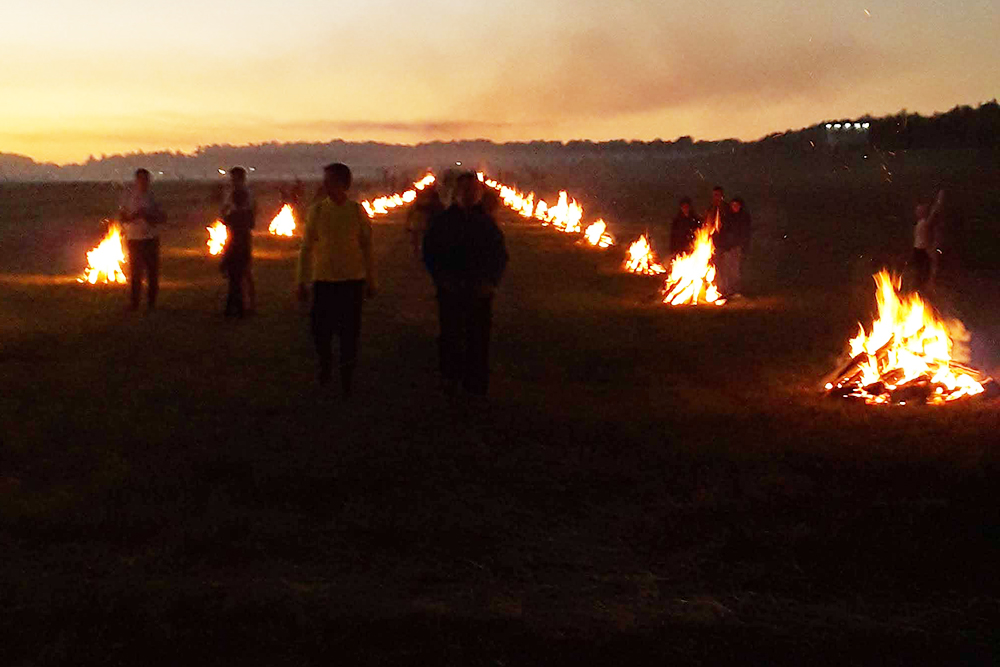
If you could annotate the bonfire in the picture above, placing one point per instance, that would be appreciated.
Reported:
(217, 235)
(383, 205)
(597, 235)
(641, 259)
(283, 223)
(104, 263)
(692, 276)
(909, 355)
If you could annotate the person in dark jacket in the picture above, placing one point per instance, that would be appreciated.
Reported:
(732, 243)
(683, 228)
(718, 210)
(465, 253)
(239, 217)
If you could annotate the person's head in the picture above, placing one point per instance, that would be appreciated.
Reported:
(489, 202)
(685, 205)
(718, 195)
(337, 179)
(736, 205)
(238, 177)
(467, 190)
(142, 179)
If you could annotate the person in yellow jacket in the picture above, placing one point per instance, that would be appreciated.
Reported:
(337, 261)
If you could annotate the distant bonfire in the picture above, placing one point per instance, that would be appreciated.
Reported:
(283, 223)
(642, 260)
(217, 235)
(104, 263)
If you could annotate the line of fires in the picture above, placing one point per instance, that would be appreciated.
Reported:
(909, 355)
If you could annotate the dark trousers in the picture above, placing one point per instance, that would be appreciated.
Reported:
(336, 309)
(237, 266)
(144, 260)
(921, 268)
(464, 346)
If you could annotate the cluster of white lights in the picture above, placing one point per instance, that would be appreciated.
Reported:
(848, 126)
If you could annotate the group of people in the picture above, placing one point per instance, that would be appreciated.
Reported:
(732, 227)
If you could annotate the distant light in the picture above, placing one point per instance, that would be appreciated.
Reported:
(836, 127)
(866, 125)
(459, 164)
(222, 172)
(253, 168)
(857, 126)
(160, 173)
(829, 125)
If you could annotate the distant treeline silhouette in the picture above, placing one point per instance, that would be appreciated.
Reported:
(962, 127)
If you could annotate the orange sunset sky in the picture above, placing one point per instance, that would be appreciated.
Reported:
(108, 76)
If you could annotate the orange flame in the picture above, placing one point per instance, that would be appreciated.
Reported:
(217, 235)
(692, 276)
(598, 236)
(383, 205)
(283, 223)
(909, 350)
(641, 259)
(104, 263)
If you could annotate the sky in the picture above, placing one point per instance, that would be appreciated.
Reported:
(89, 77)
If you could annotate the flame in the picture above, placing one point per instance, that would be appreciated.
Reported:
(106, 260)
(566, 215)
(908, 352)
(641, 258)
(283, 223)
(597, 235)
(383, 205)
(217, 235)
(692, 276)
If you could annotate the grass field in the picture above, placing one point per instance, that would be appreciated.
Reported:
(646, 485)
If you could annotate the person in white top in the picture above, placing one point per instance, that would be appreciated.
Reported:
(140, 216)
(924, 234)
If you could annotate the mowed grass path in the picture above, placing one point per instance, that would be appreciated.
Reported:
(645, 484)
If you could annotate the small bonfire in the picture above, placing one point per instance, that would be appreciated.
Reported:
(909, 355)
(597, 235)
(217, 235)
(641, 258)
(283, 223)
(104, 263)
(692, 276)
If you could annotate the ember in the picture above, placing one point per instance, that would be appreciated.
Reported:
(692, 276)
(104, 263)
(641, 259)
(283, 223)
(909, 355)
(217, 235)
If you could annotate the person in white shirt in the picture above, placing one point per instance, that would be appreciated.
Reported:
(924, 235)
(140, 216)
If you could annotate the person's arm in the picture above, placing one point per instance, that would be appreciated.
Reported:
(304, 265)
(932, 217)
(368, 249)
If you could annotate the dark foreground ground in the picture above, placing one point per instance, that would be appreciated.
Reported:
(646, 486)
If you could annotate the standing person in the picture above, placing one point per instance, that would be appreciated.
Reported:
(683, 228)
(718, 210)
(466, 256)
(732, 241)
(924, 235)
(337, 259)
(426, 206)
(141, 216)
(239, 216)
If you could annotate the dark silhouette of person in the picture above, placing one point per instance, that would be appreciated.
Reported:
(239, 216)
(465, 253)
(925, 237)
(732, 244)
(337, 260)
(683, 228)
(141, 218)
(425, 207)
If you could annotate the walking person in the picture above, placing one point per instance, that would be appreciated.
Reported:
(732, 243)
(141, 217)
(337, 261)
(239, 215)
(683, 228)
(465, 253)
(925, 234)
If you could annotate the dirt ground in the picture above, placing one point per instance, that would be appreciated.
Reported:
(645, 485)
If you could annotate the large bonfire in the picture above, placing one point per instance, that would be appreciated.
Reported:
(692, 276)
(104, 263)
(909, 355)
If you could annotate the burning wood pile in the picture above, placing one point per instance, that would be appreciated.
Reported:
(597, 235)
(909, 355)
(641, 259)
(217, 235)
(104, 263)
(283, 223)
(692, 276)
(383, 205)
